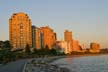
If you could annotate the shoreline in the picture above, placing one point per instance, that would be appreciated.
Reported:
(44, 65)
(81, 55)
(62, 56)
(70, 56)
(54, 58)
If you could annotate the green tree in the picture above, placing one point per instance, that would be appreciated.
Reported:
(46, 47)
(34, 50)
(53, 52)
(46, 50)
(27, 49)
(6, 44)
(6, 55)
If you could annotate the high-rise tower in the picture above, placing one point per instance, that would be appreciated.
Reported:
(36, 37)
(68, 39)
(68, 36)
(20, 30)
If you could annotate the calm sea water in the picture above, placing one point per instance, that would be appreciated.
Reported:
(85, 64)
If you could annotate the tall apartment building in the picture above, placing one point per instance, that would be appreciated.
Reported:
(68, 39)
(20, 30)
(68, 36)
(49, 36)
(36, 37)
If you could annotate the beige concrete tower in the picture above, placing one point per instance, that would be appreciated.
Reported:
(20, 30)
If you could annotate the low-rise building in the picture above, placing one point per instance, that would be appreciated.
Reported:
(94, 47)
(75, 46)
(66, 47)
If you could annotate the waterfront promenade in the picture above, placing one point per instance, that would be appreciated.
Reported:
(40, 65)
(44, 65)
(16, 66)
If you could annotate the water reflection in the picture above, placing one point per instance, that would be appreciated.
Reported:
(85, 64)
(68, 60)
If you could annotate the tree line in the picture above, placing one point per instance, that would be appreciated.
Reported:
(7, 55)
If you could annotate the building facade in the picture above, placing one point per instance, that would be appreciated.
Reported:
(68, 39)
(48, 37)
(20, 30)
(66, 46)
(68, 36)
(36, 37)
(76, 46)
(94, 47)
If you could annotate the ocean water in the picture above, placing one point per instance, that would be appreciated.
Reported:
(85, 63)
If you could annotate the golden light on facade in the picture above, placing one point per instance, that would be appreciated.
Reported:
(36, 37)
(49, 37)
(20, 30)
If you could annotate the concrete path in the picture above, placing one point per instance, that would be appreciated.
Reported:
(16, 66)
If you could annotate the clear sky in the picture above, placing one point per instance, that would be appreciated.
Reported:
(87, 19)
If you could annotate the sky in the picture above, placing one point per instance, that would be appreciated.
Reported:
(87, 19)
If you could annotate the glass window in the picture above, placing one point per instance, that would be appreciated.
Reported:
(21, 26)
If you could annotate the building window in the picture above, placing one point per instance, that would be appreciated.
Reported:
(20, 18)
(14, 26)
(21, 26)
